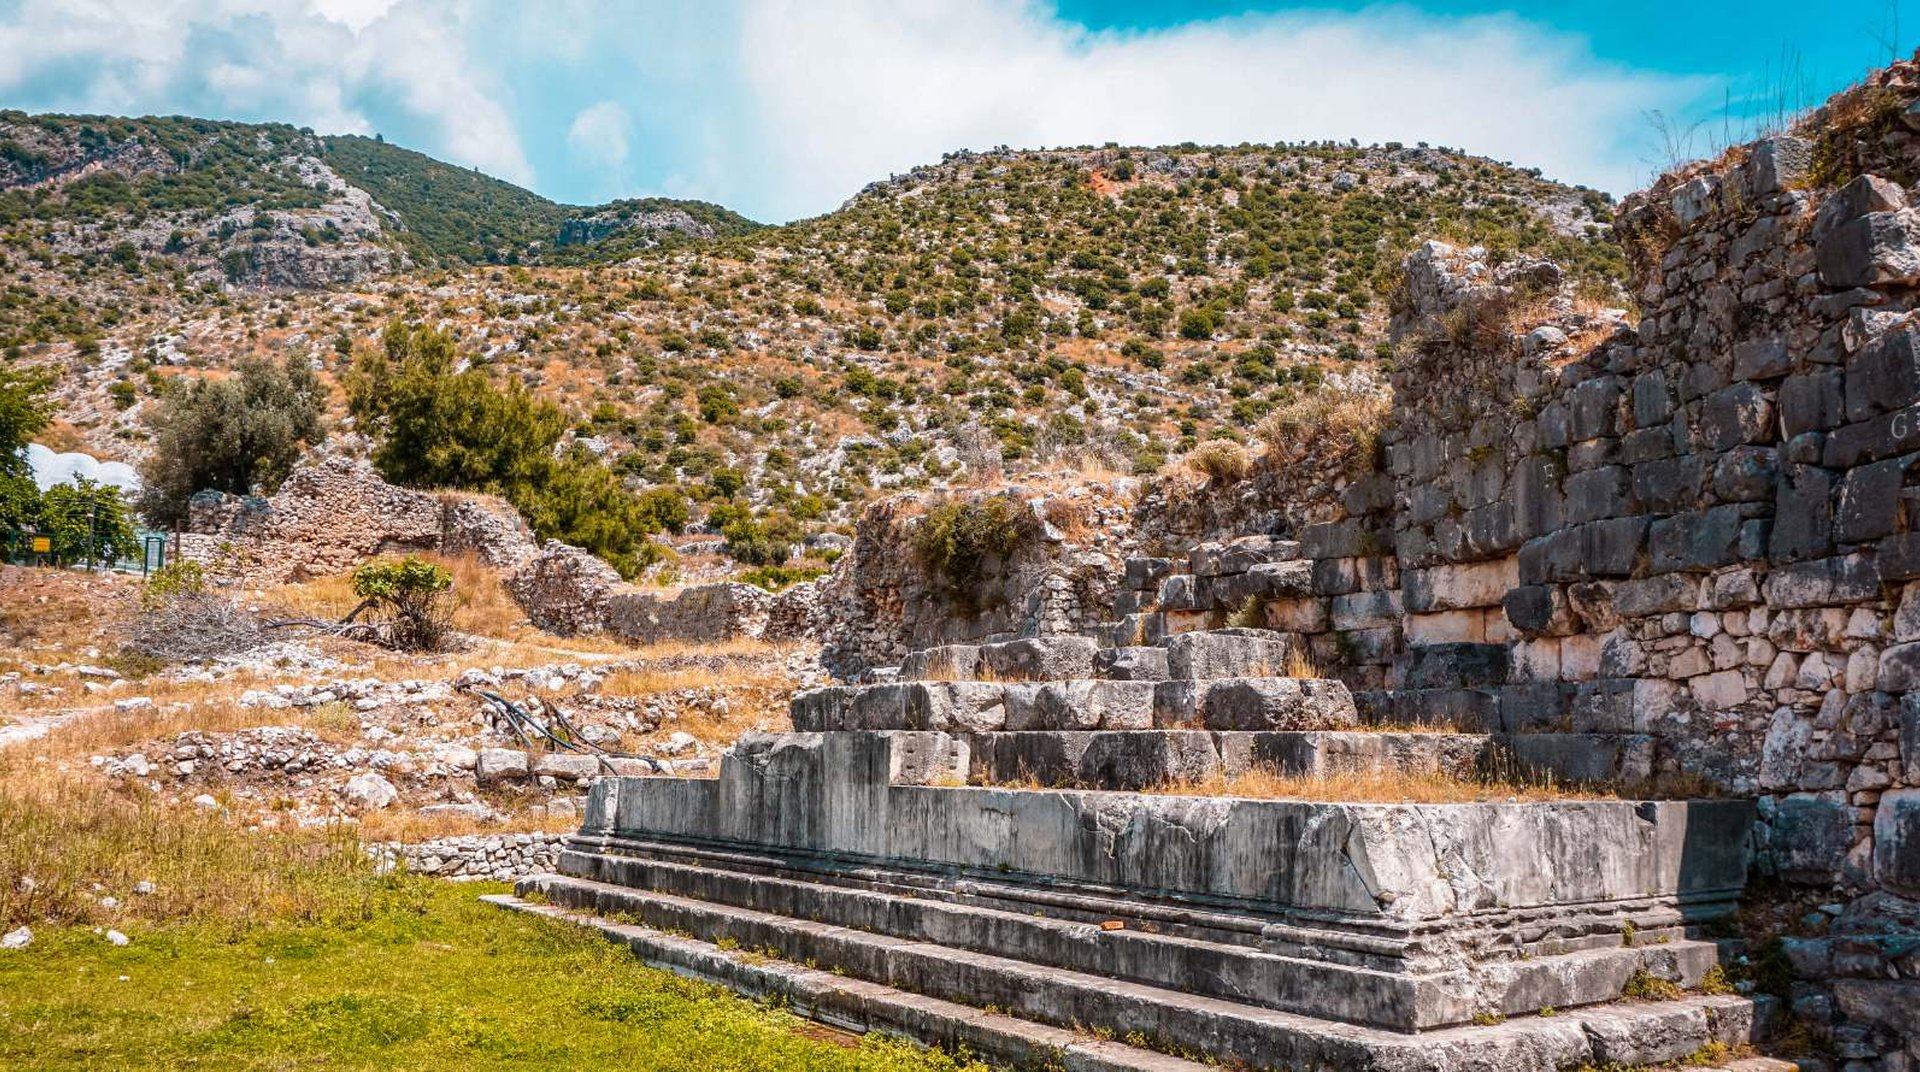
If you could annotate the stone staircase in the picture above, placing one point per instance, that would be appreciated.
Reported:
(962, 852)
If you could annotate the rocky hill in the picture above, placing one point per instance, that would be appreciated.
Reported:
(99, 206)
(1004, 311)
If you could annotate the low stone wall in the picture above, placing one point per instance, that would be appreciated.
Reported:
(565, 590)
(476, 857)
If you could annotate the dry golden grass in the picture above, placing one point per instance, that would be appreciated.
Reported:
(1300, 664)
(70, 834)
(1339, 426)
(97, 731)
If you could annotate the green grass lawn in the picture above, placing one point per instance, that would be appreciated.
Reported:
(428, 978)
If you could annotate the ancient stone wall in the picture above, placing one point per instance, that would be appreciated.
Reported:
(336, 512)
(568, 591)
(1698, 531)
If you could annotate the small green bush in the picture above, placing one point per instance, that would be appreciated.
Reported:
(413, 592)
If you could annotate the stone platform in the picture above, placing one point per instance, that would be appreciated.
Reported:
(1274, 933)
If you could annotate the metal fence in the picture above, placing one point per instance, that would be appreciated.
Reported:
(30, 548)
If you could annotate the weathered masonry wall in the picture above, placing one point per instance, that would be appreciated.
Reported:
(1701, 531)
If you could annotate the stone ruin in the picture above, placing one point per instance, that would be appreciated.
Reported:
(568, 591)
(335, 512)
(1681, 552)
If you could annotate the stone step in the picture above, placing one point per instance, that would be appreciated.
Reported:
(1248, 959)
(860, 1006)
(1206, 1026)
(1602, 705)
(1151, 759)
(1207, 654)
(1253, 703)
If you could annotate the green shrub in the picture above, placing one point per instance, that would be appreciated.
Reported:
(413, 593)
(775, 578)
(958, 538)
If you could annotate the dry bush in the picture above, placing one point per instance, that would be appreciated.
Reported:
(1221, 461)
(191, 626)
(1341, 427)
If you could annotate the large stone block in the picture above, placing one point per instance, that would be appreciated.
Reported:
(1050, 658)
(1811, 836)
(1667, 593)
(1802, 515)
(1823, 582)
(1262, 581)
(1221, 653)
(1813, 402)
(1652, 400)
(1742, 413)
(1884, 375)
(1538, 504)
(1870, 501)
(951, 706)
(1460, 586)
(1896, 842)
(1365, 610)
(1697, 540)
(1746, 474)
(1592, 409)
(1131, 664)
(1670, 484)
(1879, 247)
(1145, 574)
(1277, 704)
(1453, 666)
(1598, 493)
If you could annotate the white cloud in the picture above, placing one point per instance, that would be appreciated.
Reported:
(847, 91)
(318, 63)
(355, 15)
(598, 135)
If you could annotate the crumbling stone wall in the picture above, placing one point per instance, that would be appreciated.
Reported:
(336, 512)
(882, 601)
(568, 591)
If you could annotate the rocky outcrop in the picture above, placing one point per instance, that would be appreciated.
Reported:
(883, 600)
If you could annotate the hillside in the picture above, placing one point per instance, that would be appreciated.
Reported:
(100, 207)
(1025, 310)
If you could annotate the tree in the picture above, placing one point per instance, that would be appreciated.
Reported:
(88, 522)
(24, 411)
(443, 427)
(233, 435)
(439, 425)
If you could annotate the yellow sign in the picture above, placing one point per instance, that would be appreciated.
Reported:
(42, 545)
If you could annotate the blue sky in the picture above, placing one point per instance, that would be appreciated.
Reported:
(784, 108)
